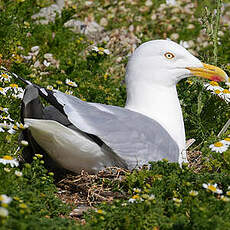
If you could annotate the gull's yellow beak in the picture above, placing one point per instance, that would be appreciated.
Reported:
(210, 72)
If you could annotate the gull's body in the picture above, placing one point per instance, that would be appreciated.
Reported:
(79, 135)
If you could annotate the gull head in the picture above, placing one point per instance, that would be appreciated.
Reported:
(164, 62)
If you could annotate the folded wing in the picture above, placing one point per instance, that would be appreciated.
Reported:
(132, 136)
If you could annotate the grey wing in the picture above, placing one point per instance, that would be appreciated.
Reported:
(32, 108)
(134, 137)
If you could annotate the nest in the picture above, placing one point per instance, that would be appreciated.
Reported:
(84, 191)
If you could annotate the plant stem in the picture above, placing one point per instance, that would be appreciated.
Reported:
(215, 31)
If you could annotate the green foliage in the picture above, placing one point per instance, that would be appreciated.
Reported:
(173, 207)
(34, 205)
(162, 198)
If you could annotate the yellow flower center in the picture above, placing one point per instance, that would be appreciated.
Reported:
(1, 89)
(22, 205)
(7, 157)
(224, 198)
(218, 144)
(5, 76)
(189, 82)
(227, 139)
(99, 211)
(193, 193)
(59, 82)
(136, 197)
(212, 188)
(13, 85)
(21, 126)
(226, 91)
(217, 91)
(214, 83)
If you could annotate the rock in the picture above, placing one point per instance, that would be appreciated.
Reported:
(80, 210)
(46, 63)
(37, 64)
(103, 22)
(35, 48)
(88, 3)
(48, 56)
(47, 14)
(60, 3)
(89, 28)
(50, 60)
(27, 58)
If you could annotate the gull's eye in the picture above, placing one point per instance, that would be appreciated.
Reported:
(169, 55)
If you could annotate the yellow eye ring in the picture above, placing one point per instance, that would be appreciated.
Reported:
(169, 55)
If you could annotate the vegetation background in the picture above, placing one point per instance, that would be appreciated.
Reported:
(81, 48)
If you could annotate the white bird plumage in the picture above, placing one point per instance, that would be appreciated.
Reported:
(150, 127)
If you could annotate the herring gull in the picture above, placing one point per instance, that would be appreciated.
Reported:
(82, 135)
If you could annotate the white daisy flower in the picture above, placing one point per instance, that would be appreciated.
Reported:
(226, 141)
(131, 200)
(224, 198)
(212, 187)
(7, 169)
(18, 93)
(193, 193)
(218, 147)
(14, 86)
(6, 118)
(135, 199)
(177, 200)
(71, 83)
(106, 51)
(5, 126)
(4, 199)
(9, 160)
(137, 190)
(95, 48)
(3, 212)
(5, 110)
(3, 91)
(21, 126)
(11, 131)
(49, 87)
(212, 86)
(225, 94)
(18, 173)
(101, 50)
(151, 197)
(4, 77)
(219, 91)
(69, 92)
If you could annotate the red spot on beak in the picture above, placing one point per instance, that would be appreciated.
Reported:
(215, 78)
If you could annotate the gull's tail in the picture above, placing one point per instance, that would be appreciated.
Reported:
(32, 108)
